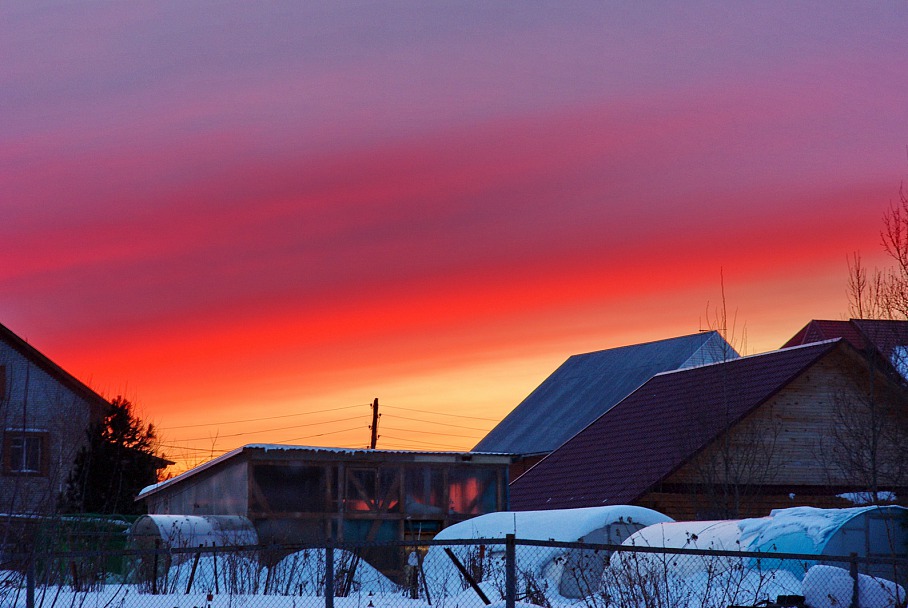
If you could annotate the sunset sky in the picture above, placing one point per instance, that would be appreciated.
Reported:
(252, 218)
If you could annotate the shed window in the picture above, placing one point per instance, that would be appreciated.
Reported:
(290, 488)
(371, 490)
(424, 492)
(25, 453)
(472, 492)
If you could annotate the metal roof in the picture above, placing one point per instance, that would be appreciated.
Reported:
(656, 429)
(304, 452)
(586, 386)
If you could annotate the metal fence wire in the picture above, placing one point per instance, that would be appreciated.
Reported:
(447, 574)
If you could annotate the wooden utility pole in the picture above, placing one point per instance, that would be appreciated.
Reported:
(374, 425)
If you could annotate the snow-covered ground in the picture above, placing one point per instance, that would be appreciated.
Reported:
(555, 577)
(628, 585)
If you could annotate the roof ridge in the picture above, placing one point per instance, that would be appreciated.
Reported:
(651, 342)
(750, 357)
(24, 348)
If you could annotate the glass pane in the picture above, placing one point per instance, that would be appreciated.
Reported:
(33, 454)
(424, 492)
(472, 492)
(290, 488)
(360, 490)
(389, 500)
(17, 453)
(373, 490)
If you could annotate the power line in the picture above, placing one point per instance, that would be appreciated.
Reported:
(190, 426)
(421, 432)
(356, 428)
(184, 447)
(420, 442)
(472, 428)
(410, 409)
(282, 428)
(179, 447)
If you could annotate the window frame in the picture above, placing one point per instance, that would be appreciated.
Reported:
(25, 436)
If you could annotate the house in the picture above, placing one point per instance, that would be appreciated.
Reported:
(736, 439)
(300, 494)
(586, 386)
(44, 413)
(885, 341)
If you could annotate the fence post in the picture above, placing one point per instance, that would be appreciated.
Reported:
(854, 580)
(329, 574)
(30, 583)
(154, 566)
(510, 571)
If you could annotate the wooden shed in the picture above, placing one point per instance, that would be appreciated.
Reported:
(301, 494)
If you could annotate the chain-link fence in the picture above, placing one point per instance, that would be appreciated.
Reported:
(446, 574)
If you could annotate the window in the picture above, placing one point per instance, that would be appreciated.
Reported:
(2, 382)
(25, 453)
(424, 492)
(472, 491)
(290, 488)
(371, 490)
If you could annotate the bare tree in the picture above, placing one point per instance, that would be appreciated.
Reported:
(868, 428)
(865, 293)
(736, 468)
(883, 294)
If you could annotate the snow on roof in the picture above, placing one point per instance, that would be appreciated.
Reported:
(567, 525)
(277, 447)
(195, 530)
(718, 535)
(796, 530)
(804, 530)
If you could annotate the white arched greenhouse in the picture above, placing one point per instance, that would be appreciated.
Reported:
(560, 568)
(871, 531)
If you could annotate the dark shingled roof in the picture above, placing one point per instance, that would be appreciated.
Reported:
(586, 386)
(885, 339)
(656, 429)
(885, 336)
(818, 331)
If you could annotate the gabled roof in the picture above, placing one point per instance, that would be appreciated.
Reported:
(819, 330)
(879, 337)
(657, 429)
(882, 335)
(55, 371)
(585, 386)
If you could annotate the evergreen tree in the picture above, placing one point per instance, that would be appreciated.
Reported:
(119, 460)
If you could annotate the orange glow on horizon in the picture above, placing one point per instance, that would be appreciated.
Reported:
(253, 225)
